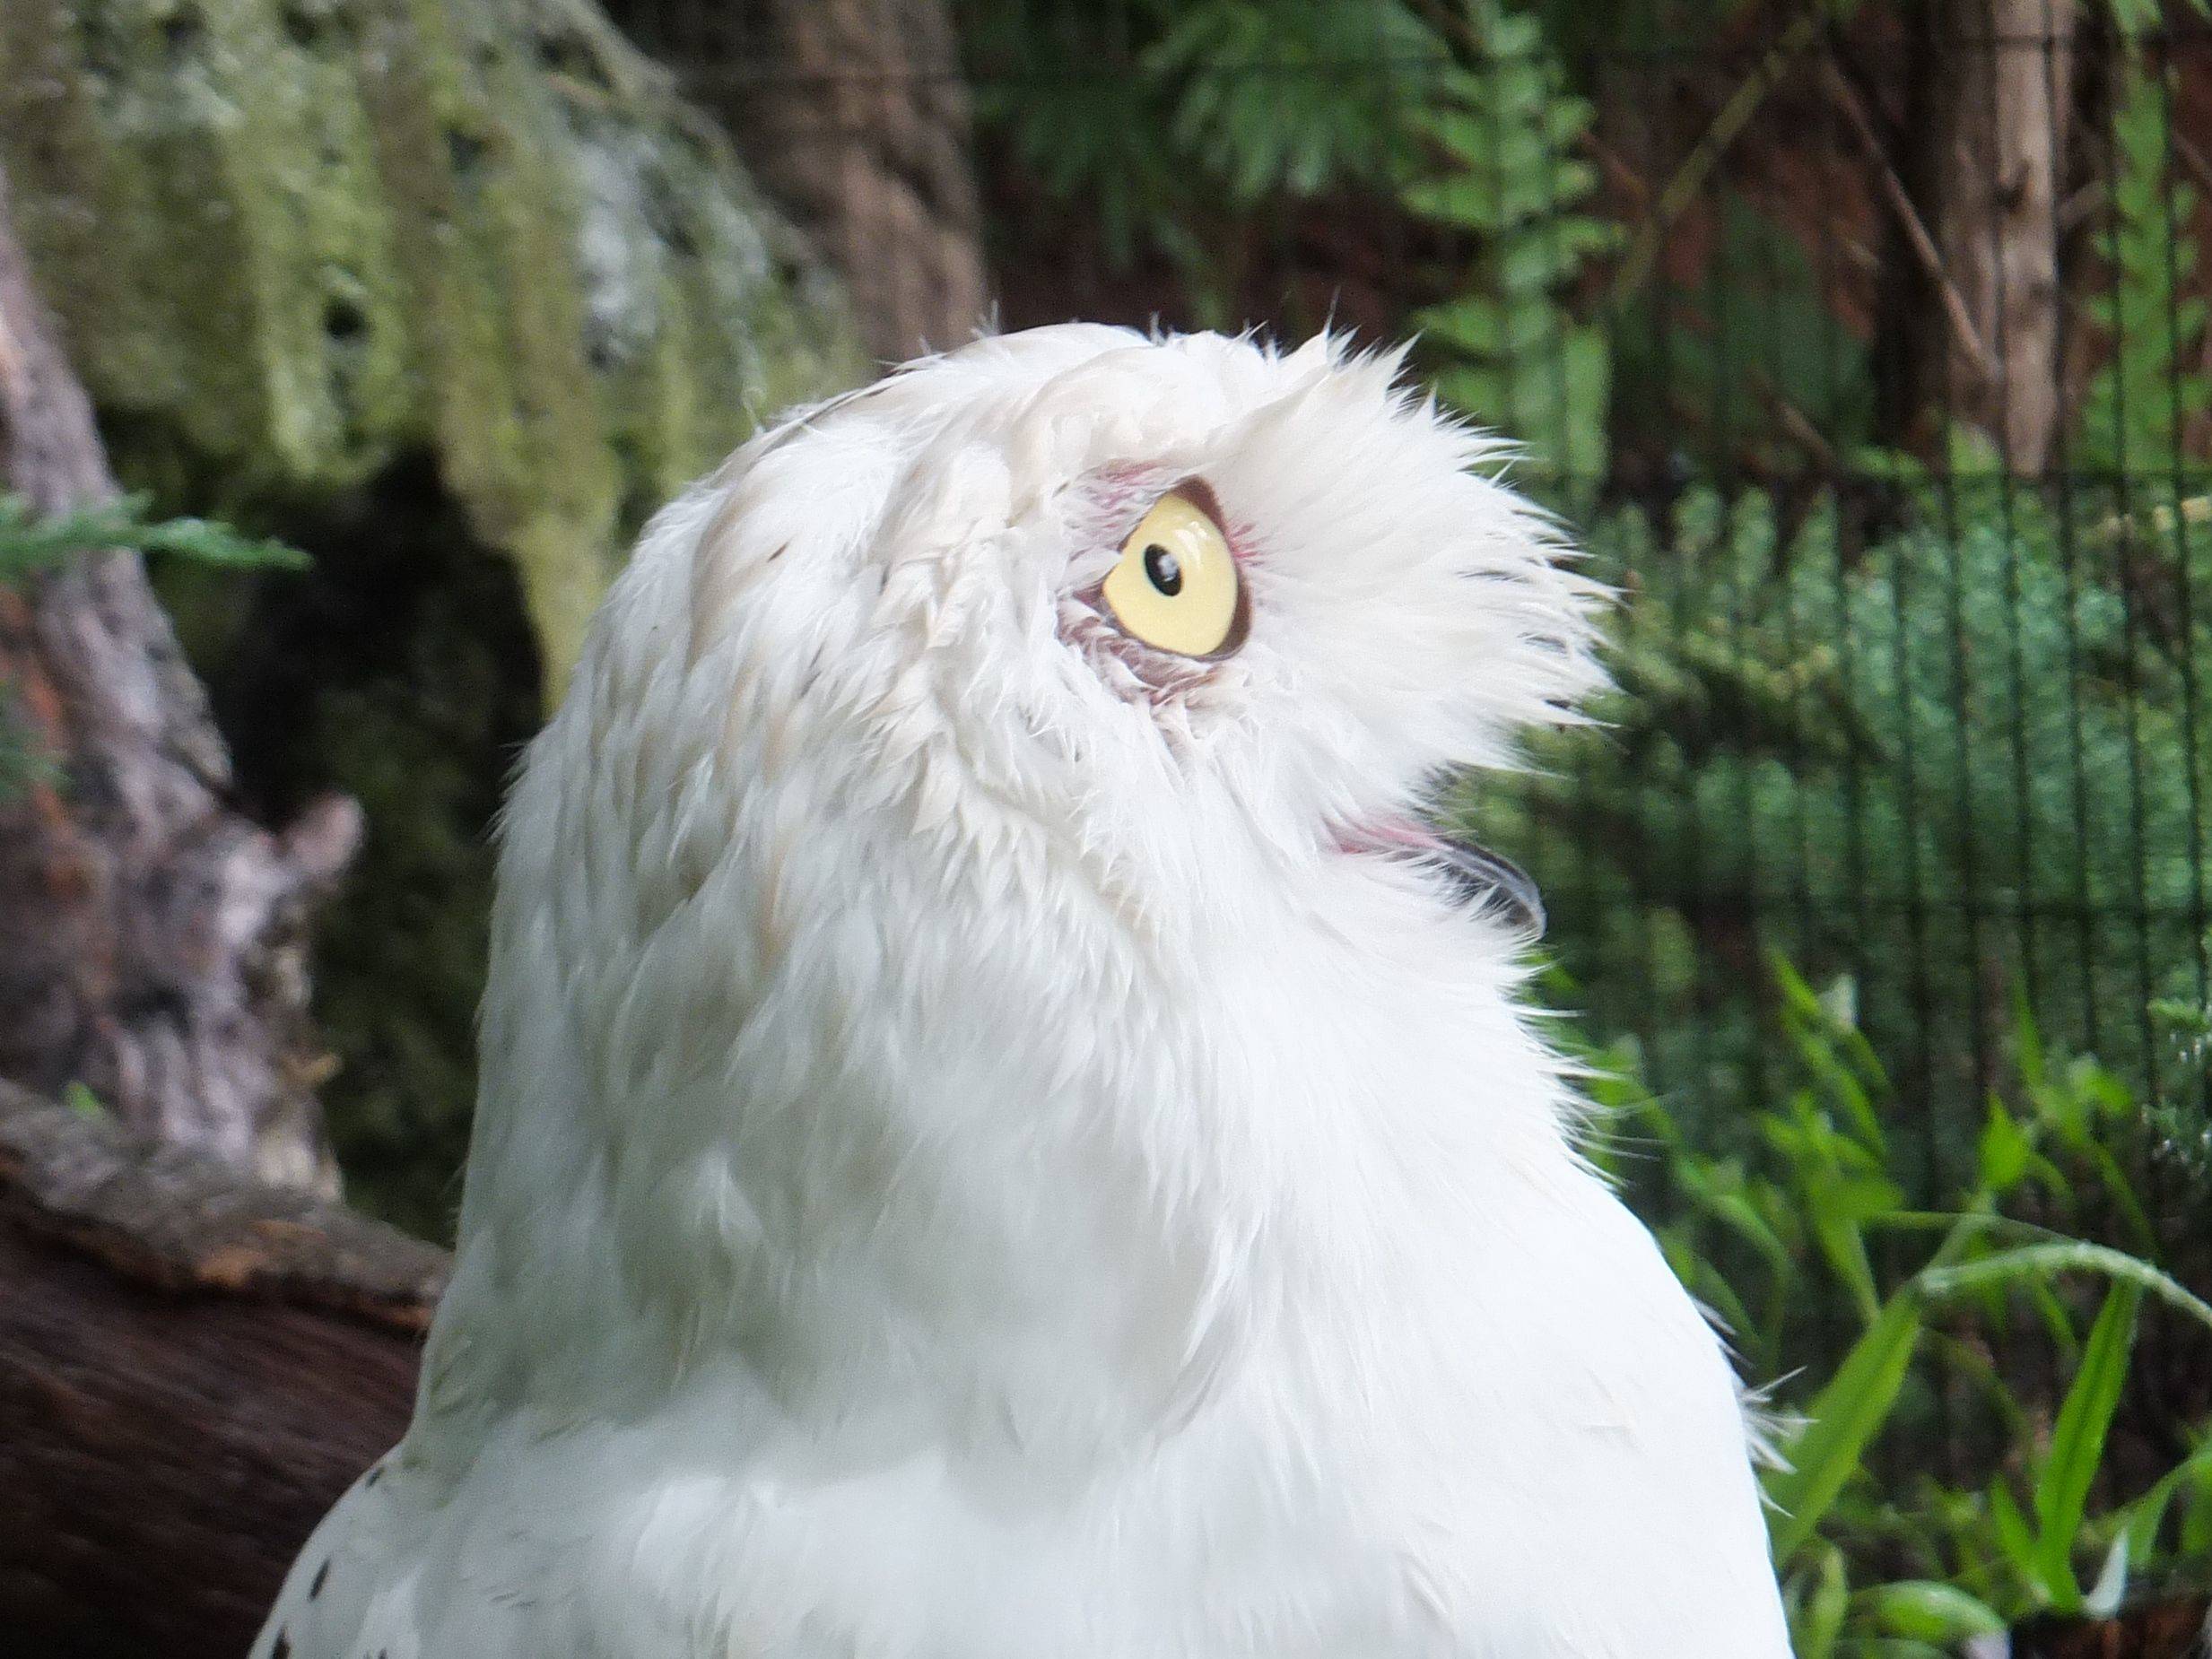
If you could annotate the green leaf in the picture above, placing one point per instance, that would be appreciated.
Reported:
(2028, 1041)
(1821, 1607)
(207, 542)
(29, 541)
(1839, 1206)
(2196, 1539)
(1929, 1611)
(2006, 1150)
(1842, 1419)
(2077, 1442)
(2147, 1512)
(2015, 1536)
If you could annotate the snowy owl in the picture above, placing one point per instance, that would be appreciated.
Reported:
(1001, 1136)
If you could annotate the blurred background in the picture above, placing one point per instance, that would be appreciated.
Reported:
(1864, 346)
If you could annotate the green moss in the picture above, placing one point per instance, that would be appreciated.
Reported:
(293, 240)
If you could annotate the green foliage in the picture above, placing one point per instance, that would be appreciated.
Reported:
(1105, 140)
(1297, 99)
(31, 542)
(2151, 315)
(296, 244)
(1941, 734)
(1206, 114)
(1503, 129)
(1934, 738)
(2137, 17)
(1226, 110)
(1875, 1547)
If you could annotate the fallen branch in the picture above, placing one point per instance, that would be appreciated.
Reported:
(193, 1365)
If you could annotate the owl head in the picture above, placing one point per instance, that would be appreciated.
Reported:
(1154, 609)
(988, 817)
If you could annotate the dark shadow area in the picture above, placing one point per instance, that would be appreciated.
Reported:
(402, 671)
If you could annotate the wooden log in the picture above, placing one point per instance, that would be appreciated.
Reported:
(193, 1365)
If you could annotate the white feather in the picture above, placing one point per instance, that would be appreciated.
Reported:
(967, 1166)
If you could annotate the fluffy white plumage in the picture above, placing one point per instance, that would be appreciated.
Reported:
(970, 1165)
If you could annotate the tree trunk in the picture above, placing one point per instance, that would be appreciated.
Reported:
(2004, 69)
(193, 1367)
(854, 115)
(152, 942)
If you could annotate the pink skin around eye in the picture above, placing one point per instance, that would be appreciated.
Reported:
(1111, 504)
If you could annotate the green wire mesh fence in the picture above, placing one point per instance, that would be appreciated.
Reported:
(1864, 347)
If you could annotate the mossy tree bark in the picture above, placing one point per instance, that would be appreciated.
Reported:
(152, 941)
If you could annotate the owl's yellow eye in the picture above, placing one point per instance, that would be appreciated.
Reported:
(1176, 586)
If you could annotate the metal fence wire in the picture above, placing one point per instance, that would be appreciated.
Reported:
(1867, 352)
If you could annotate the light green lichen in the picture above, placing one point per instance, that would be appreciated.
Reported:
(292, 241)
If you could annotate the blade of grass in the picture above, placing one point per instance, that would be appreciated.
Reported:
(2077, 1443)
(1843, 1417)
(1929, 1611)
(2147, 1512)
(2015, 1538)
(2040, 1261)
(1820, 1607)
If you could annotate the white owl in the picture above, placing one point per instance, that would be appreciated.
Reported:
(1001, 1137)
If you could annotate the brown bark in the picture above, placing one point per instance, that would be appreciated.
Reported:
(2002, 91)
(859, 124)
(152, 940)
(192, 1367)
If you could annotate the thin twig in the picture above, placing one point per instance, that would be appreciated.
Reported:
(1697, 168)
(1923, 245)
(2193, 158)
(1615, 165)
(1794, 420)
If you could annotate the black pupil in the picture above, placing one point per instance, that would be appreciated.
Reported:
(1163, 568)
